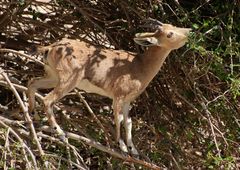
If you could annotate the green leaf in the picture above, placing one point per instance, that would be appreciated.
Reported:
(195, 26)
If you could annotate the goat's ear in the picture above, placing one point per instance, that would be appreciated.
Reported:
(148, 38)
(146, 41)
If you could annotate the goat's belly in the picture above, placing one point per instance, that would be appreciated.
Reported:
(91, 88)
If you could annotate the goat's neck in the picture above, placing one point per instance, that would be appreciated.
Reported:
(153, 60)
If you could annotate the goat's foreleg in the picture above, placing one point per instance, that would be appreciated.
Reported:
(128, 128)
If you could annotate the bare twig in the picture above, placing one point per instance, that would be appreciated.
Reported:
(6, 146)
(12, 122)
(107, 137)
(25, 111)
(84, 13)
(21, 54)
(94, 144)
(110, 151)
(216, 98)
(208, 113)
(66, 160)
(24, 146)
(81, 165)
(20, 88)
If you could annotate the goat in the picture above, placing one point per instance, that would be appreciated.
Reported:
(117, 74)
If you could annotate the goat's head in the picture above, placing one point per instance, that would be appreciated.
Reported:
(164, 35)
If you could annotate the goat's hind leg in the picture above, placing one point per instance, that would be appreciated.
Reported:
(46, 82)
(64, 86)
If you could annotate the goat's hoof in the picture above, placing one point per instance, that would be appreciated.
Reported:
(133, 151)
(60, 133)
(63, 138)
(32, 112)
(123, 146)
(136, 156)
(124, 153)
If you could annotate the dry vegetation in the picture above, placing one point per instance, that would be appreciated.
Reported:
(188, 118)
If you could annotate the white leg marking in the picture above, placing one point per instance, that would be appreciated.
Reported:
(120, 118)
(128, 128)
(121, 143)
(122, 146)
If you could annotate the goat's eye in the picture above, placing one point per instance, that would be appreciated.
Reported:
(170, 34)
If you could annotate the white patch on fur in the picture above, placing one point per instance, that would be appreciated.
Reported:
(123, 146)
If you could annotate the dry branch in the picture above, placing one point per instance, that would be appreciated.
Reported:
(24, 146)
(5, 50)
(26, 114)
(93, 143)
(108, 150)
(107, 137)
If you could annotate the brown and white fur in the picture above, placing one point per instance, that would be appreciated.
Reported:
(117, 74)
